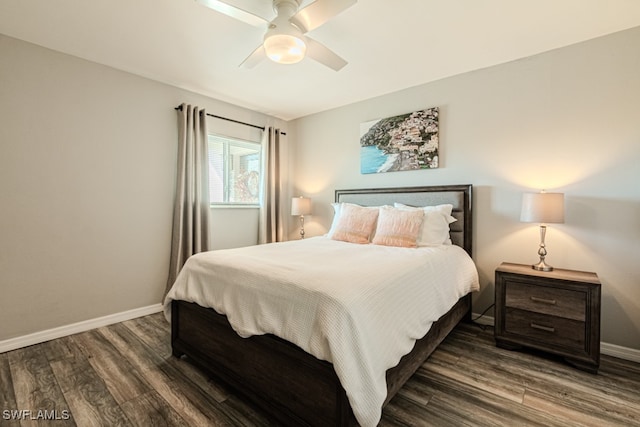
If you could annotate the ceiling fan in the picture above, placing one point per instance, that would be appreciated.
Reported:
(285, 41)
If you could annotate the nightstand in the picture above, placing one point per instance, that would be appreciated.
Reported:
(556, 311)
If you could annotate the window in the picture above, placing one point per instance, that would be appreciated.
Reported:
(234, 171)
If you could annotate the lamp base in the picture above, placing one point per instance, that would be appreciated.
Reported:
(542, 266)
(542, 252)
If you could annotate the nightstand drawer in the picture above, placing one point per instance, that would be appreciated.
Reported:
(546, 300)
(549, 330)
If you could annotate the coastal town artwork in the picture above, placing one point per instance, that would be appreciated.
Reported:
(400, 143)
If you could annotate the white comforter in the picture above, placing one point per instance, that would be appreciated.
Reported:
(360, 307)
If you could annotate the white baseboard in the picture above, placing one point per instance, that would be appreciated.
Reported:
(613, 350)
(620, 352)
(74, 328)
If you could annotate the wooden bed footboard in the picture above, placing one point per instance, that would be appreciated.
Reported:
(287, 383)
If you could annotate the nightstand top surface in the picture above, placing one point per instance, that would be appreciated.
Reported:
(556, 273)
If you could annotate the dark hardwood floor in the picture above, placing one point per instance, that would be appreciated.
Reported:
(124, 375)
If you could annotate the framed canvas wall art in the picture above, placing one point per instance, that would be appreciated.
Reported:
(400, 143)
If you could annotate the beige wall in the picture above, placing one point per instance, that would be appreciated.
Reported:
(87, 170)
(566, 120)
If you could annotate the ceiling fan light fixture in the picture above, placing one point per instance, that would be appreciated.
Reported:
(285, 40)
(285, 48)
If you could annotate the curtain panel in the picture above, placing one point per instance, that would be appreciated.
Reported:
(191, 207)
(271, 227)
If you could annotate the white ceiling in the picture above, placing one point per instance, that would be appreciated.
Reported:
(390, 45)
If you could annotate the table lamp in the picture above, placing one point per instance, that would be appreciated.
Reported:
(301, 206)
(544, 208)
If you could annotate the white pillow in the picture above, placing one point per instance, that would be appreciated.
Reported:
(435, 226)
(336, 217)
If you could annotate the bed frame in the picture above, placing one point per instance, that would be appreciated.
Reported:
(290, 385)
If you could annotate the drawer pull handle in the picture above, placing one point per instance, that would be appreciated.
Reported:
(542, 328)
(543, 300)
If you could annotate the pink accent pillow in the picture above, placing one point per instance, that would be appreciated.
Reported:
(397, 227)
(356, 224)
(435, 226)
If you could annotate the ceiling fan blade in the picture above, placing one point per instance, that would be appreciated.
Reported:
(319, 12)
(324, 55)
(235, 12)
(255, 58)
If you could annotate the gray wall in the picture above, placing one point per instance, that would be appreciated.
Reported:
(87, 171)
(566, 120)
(87, 167)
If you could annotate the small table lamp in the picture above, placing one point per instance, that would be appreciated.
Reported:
(301, 206)
(543, 208)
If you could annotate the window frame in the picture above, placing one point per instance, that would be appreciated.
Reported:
(230, 142)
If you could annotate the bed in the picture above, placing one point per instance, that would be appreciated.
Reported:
(292, 385)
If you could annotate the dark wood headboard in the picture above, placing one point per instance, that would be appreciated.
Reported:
(460, 196)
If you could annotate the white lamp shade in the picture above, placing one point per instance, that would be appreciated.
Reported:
(544, 208)
(300, 206)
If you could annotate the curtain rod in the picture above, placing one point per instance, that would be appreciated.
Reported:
(179, 108)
